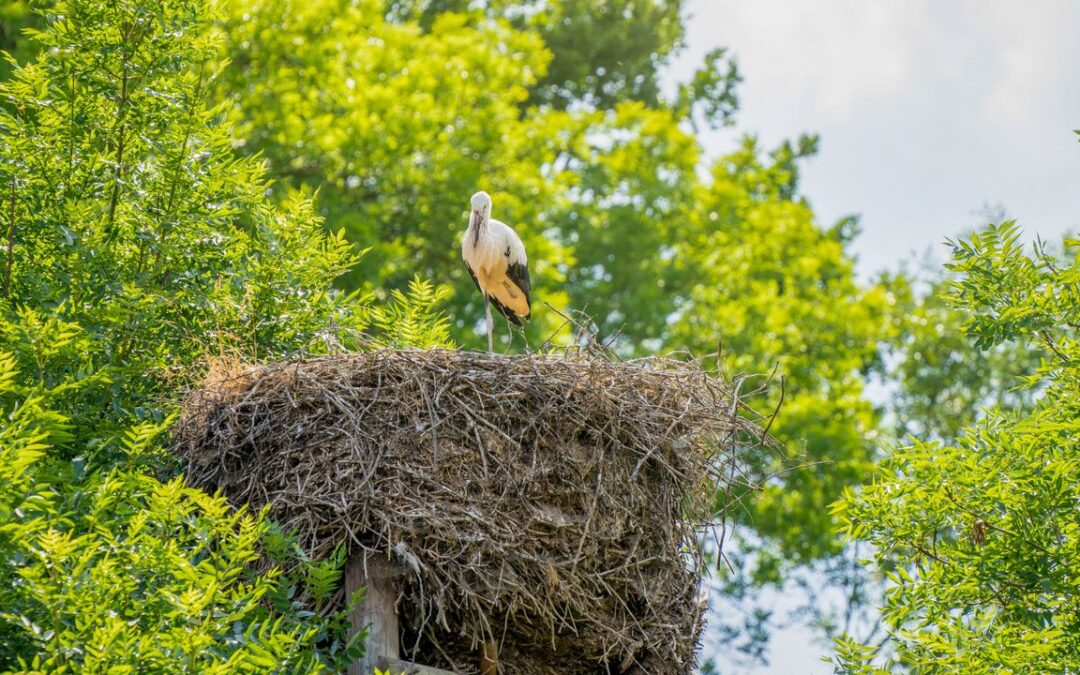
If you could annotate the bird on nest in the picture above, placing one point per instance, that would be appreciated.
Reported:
(496, 259)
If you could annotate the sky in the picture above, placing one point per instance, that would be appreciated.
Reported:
(930, 113)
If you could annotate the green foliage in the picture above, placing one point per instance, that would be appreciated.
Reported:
(603, 52)
(626, 215)
(943, 381)
(134, 228)
(116, 571)
(137, 244)
(411, 319)
(978, 537)
(712, 89)
(853, 658)
(15, 18)
(780, 291)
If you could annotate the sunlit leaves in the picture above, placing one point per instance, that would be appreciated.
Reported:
(135, 575)
(779, 292)
(142, 244)
(979, 536)
(412, 319)
(125, 573)
(944, 381)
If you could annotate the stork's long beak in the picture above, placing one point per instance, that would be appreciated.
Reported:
(474, 226)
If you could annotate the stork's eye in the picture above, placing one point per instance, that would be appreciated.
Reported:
(507, 254)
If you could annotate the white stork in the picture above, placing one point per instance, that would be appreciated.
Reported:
(496, 260)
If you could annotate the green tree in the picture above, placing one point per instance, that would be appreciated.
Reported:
(781, 293)
(396, 128)
(128, 216)
(978, 536)
(603, 52)
(943, 381)
(777, 293)
(445, 105)
(136, 245)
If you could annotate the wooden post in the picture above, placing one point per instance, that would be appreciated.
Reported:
(376, 611)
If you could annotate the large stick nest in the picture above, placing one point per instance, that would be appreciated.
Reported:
(551, 503)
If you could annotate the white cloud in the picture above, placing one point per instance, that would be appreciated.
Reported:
(1031, 38)
(928, 109)
(831, 54)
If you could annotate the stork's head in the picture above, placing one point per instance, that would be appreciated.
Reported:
(481, 208)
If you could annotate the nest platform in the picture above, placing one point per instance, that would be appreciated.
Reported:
(552, 504)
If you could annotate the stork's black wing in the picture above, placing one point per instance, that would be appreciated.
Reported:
(506, 311)
(474, 279)
(519, 274)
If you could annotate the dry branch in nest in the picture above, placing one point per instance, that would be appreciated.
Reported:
(551, 503)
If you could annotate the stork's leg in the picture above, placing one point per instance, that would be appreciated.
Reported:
(490, 326)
